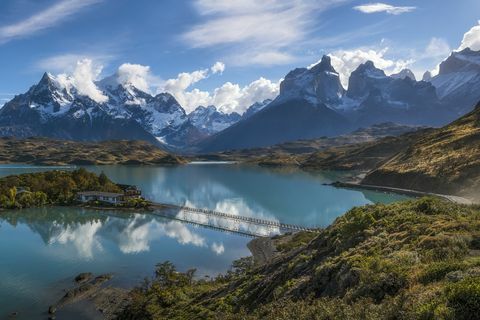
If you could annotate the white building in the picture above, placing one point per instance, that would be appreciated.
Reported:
(109, 197)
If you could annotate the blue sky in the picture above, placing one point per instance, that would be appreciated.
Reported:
(252, 39)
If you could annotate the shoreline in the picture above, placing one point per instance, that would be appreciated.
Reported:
(408, 192)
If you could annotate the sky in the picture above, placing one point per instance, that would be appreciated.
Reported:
(228, 53)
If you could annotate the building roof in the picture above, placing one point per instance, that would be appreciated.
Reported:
(100, 194)
(127, 186)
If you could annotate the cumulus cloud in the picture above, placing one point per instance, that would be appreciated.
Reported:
(471, 39)
(84, 238)
(218, 248)
(233, 98)
(218, 67)
(135, 75)
(47, 18)
(263, 31)
(84, 76)
(383, 7)
(228, 98)
(346, 61)
(83, 80)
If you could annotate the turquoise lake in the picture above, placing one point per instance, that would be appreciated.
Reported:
(42, 249)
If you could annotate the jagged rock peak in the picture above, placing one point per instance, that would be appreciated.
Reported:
(465, 60)
(324, 65)
(427, 76)
(405, 73)
(368, 69)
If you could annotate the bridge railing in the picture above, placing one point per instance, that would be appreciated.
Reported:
(257, 221)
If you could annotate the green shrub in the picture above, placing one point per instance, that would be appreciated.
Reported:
(463, 298)
(438, 270)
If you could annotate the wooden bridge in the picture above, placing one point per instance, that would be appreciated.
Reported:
(268, 225)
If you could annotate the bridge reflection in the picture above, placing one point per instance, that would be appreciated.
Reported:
(247, 226)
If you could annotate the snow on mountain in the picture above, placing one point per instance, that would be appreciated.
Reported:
(209, 120)
(458, 80)
(58, 107)
(256, 107)
(319, 84)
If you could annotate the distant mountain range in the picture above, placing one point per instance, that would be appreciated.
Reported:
(312, 103)
(49, 109)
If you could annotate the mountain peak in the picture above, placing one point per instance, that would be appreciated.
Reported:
(324, 65)
(405, 73)
(427, 76)
(368, 68)
(465, 60)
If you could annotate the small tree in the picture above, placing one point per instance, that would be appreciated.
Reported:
(12, 193)
(103, 179)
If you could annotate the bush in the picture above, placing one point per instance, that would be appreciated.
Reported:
(438, 270)
(463, 298)
(57, 187)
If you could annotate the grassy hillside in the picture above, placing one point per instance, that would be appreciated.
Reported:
(361, 156)
(409, 260)
(446, 160)
(297, 152)
(60, 152)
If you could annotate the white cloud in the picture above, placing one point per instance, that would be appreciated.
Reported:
(184, 80)
(228, 98)
(179, 232)
(263, 31)
(218, 248)
(135, 75)
(218, 67)
(346, 61)
(471, 39)
(437, 47)
(84, 76)
(83, 80)
(83, 237)
(44, 19)
(231, 97)
(383, 7)
(266, 58)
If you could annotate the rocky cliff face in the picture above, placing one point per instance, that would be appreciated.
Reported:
(458, 81)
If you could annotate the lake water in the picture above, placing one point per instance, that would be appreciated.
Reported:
(41, 250)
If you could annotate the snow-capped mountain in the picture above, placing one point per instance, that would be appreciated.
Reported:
(376, 97)
(301, 111)
(256, 107)
(55, 108)
(52, 109)
(209, 120)
(458, 80)
(154, 113)
(319, 84)
(312, 102)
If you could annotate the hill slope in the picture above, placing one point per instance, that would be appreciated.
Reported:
(408, 260)
(446, 160)
(60, 152)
